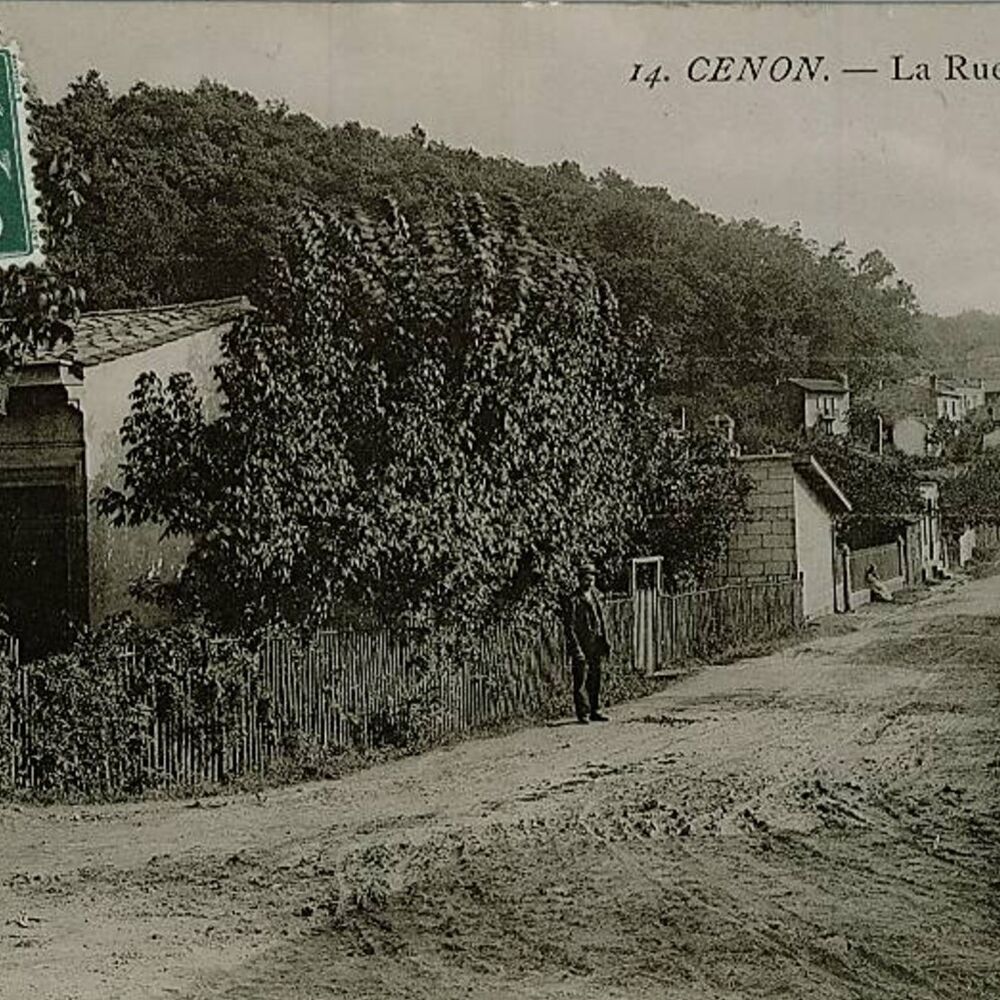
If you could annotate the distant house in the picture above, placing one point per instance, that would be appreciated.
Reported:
(954, 399)
(60, 445)
(820, 405)
(791, 529)
(911, 435)
(991, 439)
(991, 396)
(910, 410)
(971, 390)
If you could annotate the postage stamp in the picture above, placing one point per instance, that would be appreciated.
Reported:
(20, 236)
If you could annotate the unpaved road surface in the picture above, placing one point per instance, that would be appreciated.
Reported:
(820, 823)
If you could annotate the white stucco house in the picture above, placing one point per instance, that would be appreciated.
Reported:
(820, 405)
(60, 446)
(911, 410)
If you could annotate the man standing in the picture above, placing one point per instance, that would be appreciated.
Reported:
(586, 644)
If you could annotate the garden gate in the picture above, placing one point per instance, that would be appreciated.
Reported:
(646, 585)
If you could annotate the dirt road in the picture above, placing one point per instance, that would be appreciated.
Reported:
(823, 823)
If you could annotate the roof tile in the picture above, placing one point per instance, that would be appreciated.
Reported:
(104, 336)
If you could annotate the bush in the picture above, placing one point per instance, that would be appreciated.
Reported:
(7, 695)
(89, 712)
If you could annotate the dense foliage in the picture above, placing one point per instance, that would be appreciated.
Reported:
(972, 495)
(692, 498)
(90, 709)
(420, 419)
(188, 192)
(967, 344)
(883, 490)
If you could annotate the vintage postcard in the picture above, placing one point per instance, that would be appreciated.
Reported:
(499, 500)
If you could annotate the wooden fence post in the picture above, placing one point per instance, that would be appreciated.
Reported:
(845, 555)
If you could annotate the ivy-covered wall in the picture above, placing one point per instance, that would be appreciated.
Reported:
(120, 554)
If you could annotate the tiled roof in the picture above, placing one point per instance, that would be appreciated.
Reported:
(819, 384)
(104, 336)
(896, 401)
(942, 386)
(946, 387)
(821, 481)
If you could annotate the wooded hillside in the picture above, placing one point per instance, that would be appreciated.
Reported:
(173, 195)
(966, 344)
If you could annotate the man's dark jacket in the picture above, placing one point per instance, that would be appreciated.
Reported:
(585, 626)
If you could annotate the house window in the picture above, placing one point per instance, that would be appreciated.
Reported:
(828, 406)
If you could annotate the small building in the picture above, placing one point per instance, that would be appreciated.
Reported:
(911, 410)
(820, 405)
(949, 399)
(991, 398)
(991, 439)
(791, 530)
(912, 434)
(972, 392)
(60, 446)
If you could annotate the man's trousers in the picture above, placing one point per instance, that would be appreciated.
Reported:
(586, 676)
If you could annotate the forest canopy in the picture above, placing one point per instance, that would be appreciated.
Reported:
(183, 195)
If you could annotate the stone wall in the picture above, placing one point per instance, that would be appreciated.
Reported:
(764, 545)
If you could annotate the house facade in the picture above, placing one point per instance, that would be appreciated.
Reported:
(791, 530)
(972, 392)
(911, 435)
(950, 404)
(991, 439)
(991, 398)
(820, 405)
(59, 448)
(911, 410)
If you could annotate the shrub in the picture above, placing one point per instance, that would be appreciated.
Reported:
(89, 711)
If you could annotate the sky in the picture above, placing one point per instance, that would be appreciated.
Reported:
(909, 166)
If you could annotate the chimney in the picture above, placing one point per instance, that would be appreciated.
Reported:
(932, 380)
(844, 381)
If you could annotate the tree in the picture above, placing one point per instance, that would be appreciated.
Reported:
(694, 495)
(973, 495)
(424, 419)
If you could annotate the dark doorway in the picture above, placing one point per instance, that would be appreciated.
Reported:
(34, 564)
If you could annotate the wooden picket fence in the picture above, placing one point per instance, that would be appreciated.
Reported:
(701, 623)
(367, 688)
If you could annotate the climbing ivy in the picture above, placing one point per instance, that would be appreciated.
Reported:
(422, 419)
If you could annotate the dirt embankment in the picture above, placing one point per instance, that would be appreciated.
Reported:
(821, 823)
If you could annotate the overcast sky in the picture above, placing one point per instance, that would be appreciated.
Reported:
(912, 168)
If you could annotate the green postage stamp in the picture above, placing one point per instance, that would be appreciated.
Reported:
(20, 237)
